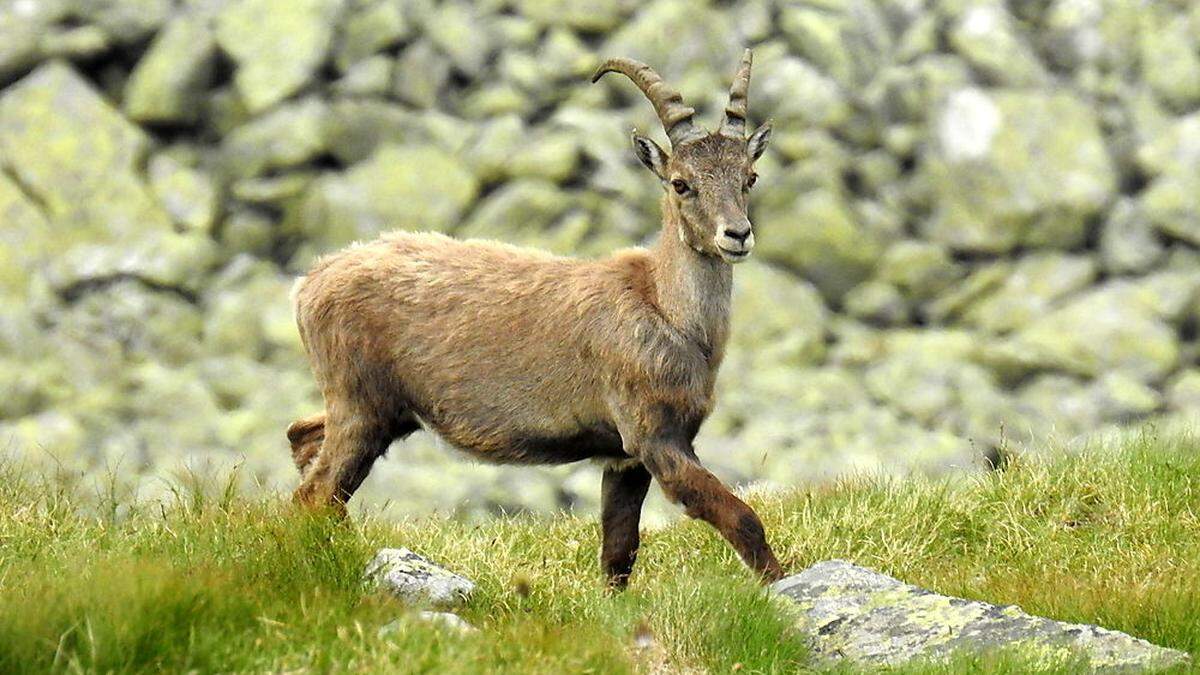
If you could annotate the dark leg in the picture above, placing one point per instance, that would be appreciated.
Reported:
(622, 493)
(702, 496)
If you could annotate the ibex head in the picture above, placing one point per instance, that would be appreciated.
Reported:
(708, 176)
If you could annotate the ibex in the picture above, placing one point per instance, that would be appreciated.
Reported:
(519, 356)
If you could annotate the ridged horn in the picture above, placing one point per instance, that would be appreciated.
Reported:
(676, 117)
(735, 111)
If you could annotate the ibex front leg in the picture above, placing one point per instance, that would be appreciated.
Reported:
(675, 466)
(622, 493)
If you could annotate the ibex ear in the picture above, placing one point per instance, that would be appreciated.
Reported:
(757, 144)
(651, 155)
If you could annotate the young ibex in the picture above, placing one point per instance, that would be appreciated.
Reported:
(519, 356)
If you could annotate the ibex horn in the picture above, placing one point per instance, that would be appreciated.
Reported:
(735, 111)
(676, 117)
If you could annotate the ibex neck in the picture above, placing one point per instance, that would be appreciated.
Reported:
(694, 290)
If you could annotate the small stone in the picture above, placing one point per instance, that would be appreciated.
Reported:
(855, 614)
(285, 137)
(448, 620)
(416, 579)
(371, 76)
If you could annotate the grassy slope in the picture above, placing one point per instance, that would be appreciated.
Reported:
(232, 584)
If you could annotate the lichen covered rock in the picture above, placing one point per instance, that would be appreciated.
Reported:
(855, 614)
(416, 579)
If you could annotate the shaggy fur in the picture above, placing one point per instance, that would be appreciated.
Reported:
(519, 356)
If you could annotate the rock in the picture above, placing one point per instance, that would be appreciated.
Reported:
(1106, 329)
(591, 16)
(417, 580)
(126, 20)
(371, 76)
(1170, 57)
(781, 319)
(987, 36)
(447, 620)
(421, 73)
(550, 156)
(169, 81)
(700, 40)
(872, 620)
(277, 45)
(1123, 399)
(187, 194)
(370, 28)
(876, 302)
(1011, 167)
(521, 212)
(20, 237)
(415, 187)
(80, 42)
(817, 235)
(921, 269)
(287, 136)
(1172, 200)
(1183, 393)
(792, 90)
(1029, 291)
(1127, 241)
(460, 32)
(355, 128)
(78, 159)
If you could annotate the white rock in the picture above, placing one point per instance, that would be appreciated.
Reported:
(416, 579)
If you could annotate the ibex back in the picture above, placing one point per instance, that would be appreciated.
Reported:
(519, 356)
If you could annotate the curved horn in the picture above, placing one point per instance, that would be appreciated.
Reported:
(676, 117)
(735, 111)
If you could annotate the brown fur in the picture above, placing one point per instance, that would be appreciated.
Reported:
(519, 356)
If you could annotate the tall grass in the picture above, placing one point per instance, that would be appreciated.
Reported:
(213, 581)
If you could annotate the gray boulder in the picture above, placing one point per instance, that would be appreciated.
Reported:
(874, 620)
(416, 579)
(277, 44)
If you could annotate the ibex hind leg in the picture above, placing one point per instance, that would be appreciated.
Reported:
(306, 436)
(350, 445)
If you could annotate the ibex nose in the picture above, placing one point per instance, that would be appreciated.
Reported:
(737, 235)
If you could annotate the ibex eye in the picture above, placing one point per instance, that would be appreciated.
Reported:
(680, 186)
(751, 180)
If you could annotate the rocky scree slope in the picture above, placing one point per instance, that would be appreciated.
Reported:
(978, 221)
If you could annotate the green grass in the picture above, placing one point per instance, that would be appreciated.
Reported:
(228, 583)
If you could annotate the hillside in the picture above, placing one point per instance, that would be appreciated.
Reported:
(218, 581)
(976, 222)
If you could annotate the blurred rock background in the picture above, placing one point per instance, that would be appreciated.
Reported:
(978, 220)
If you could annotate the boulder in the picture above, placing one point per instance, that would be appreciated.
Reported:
(817, 235)
(278, 45)
(1113, 327)
(988, 38)
(188, 194)
(1015, 167)
(418, 187)
(871, 620)
(780, 319)
(417, 580)
(369, 28)
(169, 81)
(287, 136)
(1127, 241)
(589, 16)
(1030, 290)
